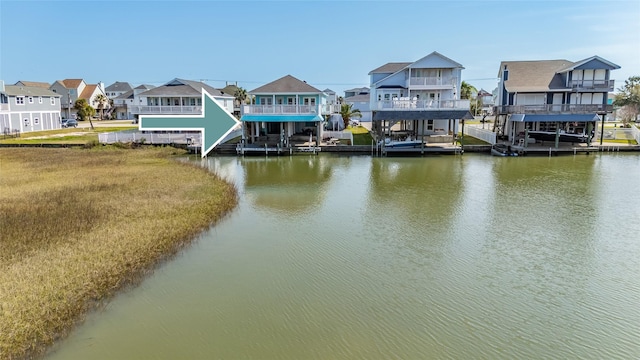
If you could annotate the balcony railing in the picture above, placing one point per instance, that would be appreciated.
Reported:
(411, 104)
(604, 85)
(420, 82)
(4, 106)
(139, 109)
(554, 109)
(291, 109)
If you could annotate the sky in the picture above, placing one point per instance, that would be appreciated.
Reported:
(328, 44)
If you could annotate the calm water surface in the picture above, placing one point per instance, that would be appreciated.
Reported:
(453, 257)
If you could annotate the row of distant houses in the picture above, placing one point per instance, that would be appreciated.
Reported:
(420, 98)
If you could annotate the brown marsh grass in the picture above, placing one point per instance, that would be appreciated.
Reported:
(78, 225)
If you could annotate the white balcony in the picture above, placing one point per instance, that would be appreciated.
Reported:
(184, 110)
(415, 104)
(417, 83)
(291, 109)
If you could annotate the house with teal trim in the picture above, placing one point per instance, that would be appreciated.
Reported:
(552, 100)
(420, 99)
(283, 110)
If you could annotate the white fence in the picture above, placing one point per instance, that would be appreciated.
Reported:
(631, 133)
(149, 137)
(153, 137)
(347, 135)
(482, 134)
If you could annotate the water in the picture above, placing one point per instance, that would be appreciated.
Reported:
(452, 257)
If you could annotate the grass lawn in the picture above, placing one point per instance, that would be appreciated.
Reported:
(80, 224)
(617, 141)
(361, 135)
(61, 136)
(470, 140)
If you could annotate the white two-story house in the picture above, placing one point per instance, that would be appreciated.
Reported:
(113, 91)
(177, 97)
(552, 100)
(420, 98)
(28, 108)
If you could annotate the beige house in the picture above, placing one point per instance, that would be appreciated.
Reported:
(71, 90)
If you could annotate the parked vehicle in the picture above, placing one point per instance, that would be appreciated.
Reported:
(69, 123)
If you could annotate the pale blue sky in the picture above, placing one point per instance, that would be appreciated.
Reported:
(329, 44)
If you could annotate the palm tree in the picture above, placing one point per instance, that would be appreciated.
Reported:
(84, 110)
(347, 111)
(102, 100)
(241, 95)
(467, 90)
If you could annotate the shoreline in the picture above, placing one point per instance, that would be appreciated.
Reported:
(84, 225)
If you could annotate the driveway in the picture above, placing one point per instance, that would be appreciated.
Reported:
(106, 123)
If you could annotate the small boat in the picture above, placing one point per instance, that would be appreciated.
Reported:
(402, 143)
(502, 150)
(563, 136)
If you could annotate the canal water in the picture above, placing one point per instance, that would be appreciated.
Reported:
(451, 257)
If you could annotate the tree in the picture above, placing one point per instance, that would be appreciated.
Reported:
(347, 111)
(102, 100)
(467, 90)
(84, 110)
(628, 98)
(241, 95)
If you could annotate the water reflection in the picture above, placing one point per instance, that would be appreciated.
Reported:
(383, 258)
(286, 184)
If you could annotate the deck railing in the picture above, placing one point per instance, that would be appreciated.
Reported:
(418, 81)
(415, 104)
(554, 108)
(604, 85)
(291, 109)
(192, 110)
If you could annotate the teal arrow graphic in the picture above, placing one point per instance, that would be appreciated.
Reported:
(215, 123)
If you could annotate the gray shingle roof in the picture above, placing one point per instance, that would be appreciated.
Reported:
(12, 90)
(534, 76)
(357, 98)
(285, 85)
(390, 68)
(127, 95)
(119, 86)
(181, 87)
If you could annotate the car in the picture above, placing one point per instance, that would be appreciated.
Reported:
(69, 123)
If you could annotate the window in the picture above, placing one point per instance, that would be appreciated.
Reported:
(39, 99)
(30, 99)
(19, 100)
(36, 121)
(430, 125)
(53, 100)
(26, 122)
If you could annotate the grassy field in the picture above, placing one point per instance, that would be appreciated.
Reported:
(78, 225)
(61, 136)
